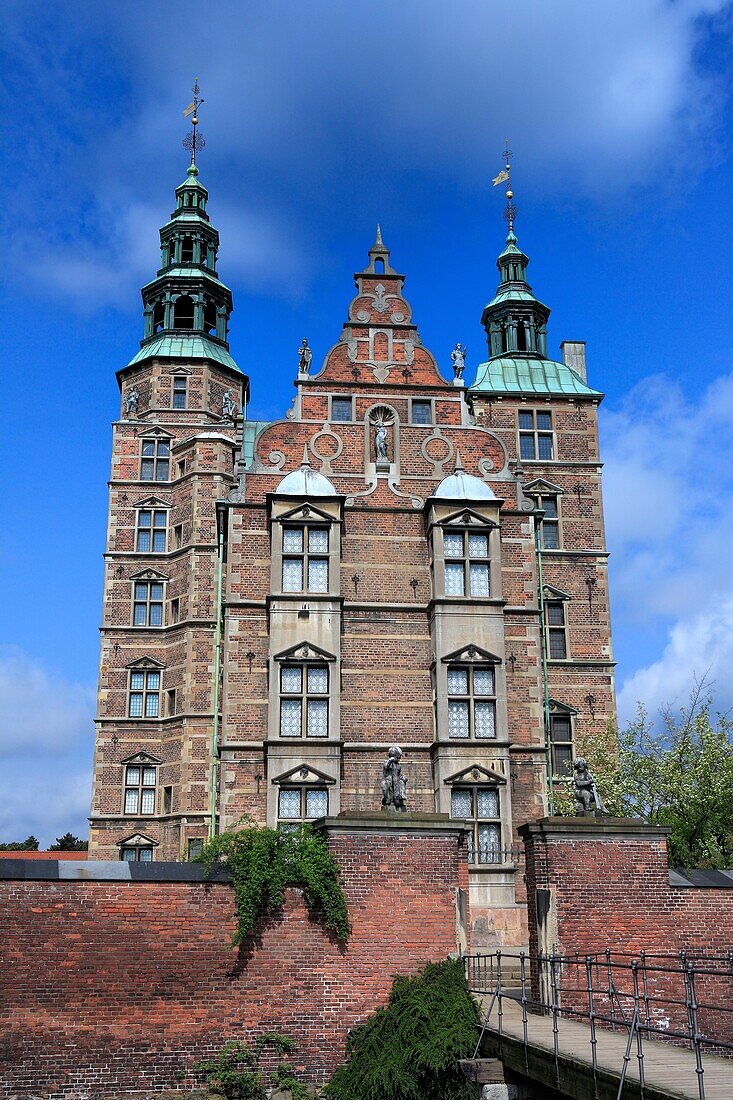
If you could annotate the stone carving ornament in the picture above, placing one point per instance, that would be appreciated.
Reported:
(130, 401)
(228, 406)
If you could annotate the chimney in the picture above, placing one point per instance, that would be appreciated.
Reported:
(573, 355)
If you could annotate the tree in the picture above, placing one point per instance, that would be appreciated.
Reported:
(678, 772)
(69, 843)
(30, 844)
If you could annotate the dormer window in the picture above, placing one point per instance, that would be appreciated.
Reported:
(305, 559)
(467, 569)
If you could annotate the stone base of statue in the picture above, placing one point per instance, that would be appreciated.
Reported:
(383, 465)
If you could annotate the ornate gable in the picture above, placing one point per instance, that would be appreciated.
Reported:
(152, 502)
(304, 651)
(561, 708)
(472, 654)
(305, 513)
(552, 593)
(305, 774)
(479, 774)
(138, 840)
(149, 575)
(153, 431)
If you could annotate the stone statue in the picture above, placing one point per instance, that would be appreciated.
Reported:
(380, 442)
(228, 406)
(305, 357)
(130, 400)
(394, 782)
(458, 355)
(586, 791)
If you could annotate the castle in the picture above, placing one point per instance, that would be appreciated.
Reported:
(403, 558)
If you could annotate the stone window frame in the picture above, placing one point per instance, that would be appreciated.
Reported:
(304, 790)
(152, 508)
(465, 560)
(339, 419)
(428, 402)
(477, 777)
(562, 712)
(471, 699)
(470, 657)
(474, 846)
(141, 846)
(148, 580)
(540, 492)
(157, 458)
(304, 515)
(533, 433)
(556, 622)
(304, 654)
(179, 391)
(304, 696)
(142, 762)
(147, 667)
(306, 556)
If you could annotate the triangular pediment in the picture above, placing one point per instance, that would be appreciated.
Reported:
(180, 370)
(139, 840)
(152, 502)
(145, 662)
(305, 651)
(540, 487)
(561, 708)
(305, 774)
(305, 513)
(478, 774)
(141, 758)
(152, 431)
(148, 575)
(552, 593)
(468, 517)
(472, 654)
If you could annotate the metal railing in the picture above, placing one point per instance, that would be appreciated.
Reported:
(686, 999)
(490, 855)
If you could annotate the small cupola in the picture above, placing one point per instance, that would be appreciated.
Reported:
(306, 482)
(462, 486)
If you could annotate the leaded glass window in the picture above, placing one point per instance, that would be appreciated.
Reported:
(151, 531)
(140, 783)
(144, 694)
(481, 807)
(467, 569)
(561, 740)
(300, 804)
(471, 701)
(536, 436)
(304, 700)
(556, 626)
(140, 853)
(179, 391)
(421, 412)
(155, 460)
(341, 409)
(148, 603)
(305, 559)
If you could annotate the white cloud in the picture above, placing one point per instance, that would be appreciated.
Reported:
(44, 802)
(41, 713)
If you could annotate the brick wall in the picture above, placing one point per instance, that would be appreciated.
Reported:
(119, 985)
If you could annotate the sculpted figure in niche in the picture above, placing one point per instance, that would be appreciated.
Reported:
(380, 442)
(458, 355)
(394, 782)
(130, 401)
(228, 406)
(587, 797)
(305, 357)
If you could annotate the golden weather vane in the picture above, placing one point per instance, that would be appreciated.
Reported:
(194, 141)
(510, 210)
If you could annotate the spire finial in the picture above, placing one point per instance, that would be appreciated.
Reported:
(194, 141)
(306, 457)
(379, 243)
(458, 468)
(510, 210)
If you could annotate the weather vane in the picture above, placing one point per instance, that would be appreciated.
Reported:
(194, 141)
(510, 210)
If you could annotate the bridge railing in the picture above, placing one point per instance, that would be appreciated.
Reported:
(686, 998)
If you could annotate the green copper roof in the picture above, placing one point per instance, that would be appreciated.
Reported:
(186, 273)
(508, 374)
(250, 430)
(184, 347)
(512, 292)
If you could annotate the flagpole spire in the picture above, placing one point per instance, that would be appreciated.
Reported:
(194, 141)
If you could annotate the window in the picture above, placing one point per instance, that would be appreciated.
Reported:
(180, 383)
(305, 559)
(144, 694)
(139, 789)
(561, 743)
(138, 853)
(147, 609)
(178, 536)
(181, 467)
(167, 799)
(304, 700)
(156, 460)
(480, 806)
(550, 523)
(151, 531)
(187, 250)
(466, 563)
(175, 610)
(183, 312)
(195, 847)
(535, 435)
(556, 627)
(170, 702)
(341, 408)
(298, 804)
(422, 412)
(471, 701)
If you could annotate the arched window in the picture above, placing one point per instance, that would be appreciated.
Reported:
(158, 316)
(210, 316)
(183, 312)
(379, 265)
(187, 250)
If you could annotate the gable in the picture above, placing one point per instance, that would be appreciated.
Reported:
(477, 774)
(561, 708)
(138, 839)
(539, 487)
(305, 774)
(152, 502)
(148, 575)
(305, 513)
(472, 654)
(304, 651)
(551, 593)
(145, 662)
(469, 517)
(141, 758)
(152, 431)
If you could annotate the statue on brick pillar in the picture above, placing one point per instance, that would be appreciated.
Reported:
(394, 782)
(587, 798)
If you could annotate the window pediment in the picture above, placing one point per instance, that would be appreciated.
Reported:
(149, 575)
(561, 708)
(304, 651)
(141, 758)
(477, 774)
(540, 487)
(467, 517)
(305, 774)
(153, 432)
(138, 840)
(472, 654)
(179, 370)
(152, 502)
(145, 662)
(305, 513)
(551, 593)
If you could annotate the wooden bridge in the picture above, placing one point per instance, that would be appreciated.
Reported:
(613, 1043)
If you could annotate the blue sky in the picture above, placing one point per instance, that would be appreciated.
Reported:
(321, 119)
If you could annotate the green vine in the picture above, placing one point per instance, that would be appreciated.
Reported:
(234, 1072)
(263, 862)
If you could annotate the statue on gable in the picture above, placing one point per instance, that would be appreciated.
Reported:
(458, 355)
(305, 357)
(394, 782)
(130, 401)
(587, 798)
(228, 406)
